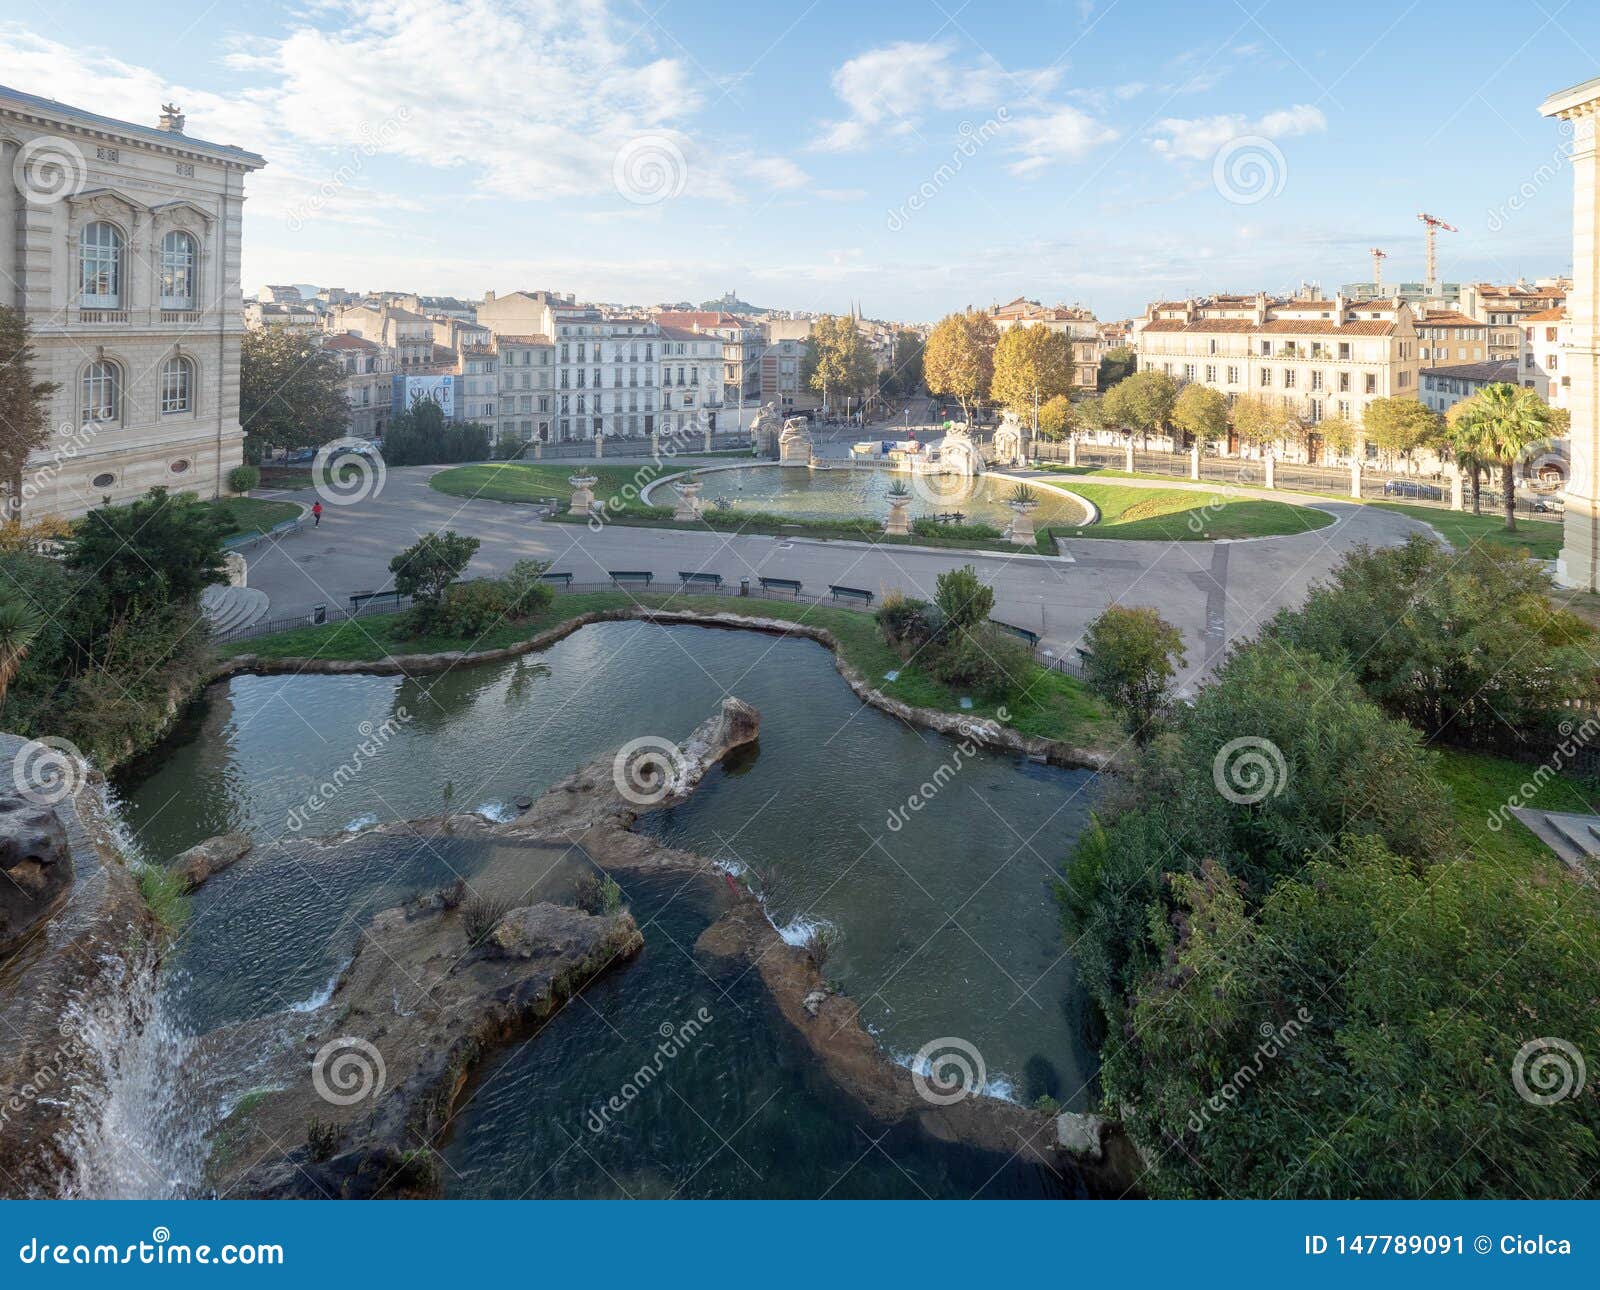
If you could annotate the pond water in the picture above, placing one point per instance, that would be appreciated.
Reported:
(947, 918)
(850, 492)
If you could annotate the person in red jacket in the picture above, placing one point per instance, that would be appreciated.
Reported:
(316, 515)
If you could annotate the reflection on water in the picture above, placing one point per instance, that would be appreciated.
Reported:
(839, 492)
(948, 925)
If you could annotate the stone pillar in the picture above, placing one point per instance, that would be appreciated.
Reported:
(1022, 531)
(1194, 462)
(1458, 489)
(655, 445)
(1072, 451)
(1127, 455)
(538, 449)
(1271, 464)
(708, 439)
(1579, 562)
(1355, 479)
(599, 445)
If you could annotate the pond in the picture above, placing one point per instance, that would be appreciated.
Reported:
(945, 909)
(848, 492)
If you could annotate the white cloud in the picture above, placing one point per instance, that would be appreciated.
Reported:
(1064, 134)
(1198, 138)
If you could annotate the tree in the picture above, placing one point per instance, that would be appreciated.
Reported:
(1116, 365)
(958, 360)
(1400, 426)
(291, 392)
(1502, 423)
(20, 624)
(1057, 417)
(962, 599)
(159, 549)
(420, 436)
(24, 407)
(1030, 363)
(1142, 403)
(839, 362)
(426, 568)
(1256, 420)
(904, 377)
(1130, 665)
(1338, 434)
(1201, 412)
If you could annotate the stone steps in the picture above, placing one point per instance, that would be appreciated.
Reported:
(1575, 838)
(229, 608)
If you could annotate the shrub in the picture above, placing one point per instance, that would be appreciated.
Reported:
(526, 588)
(977, 532)
(241, 479)
(1130, 666)
(162, 547)
(962, 599)
(427, 567)
(471, 609)
(820, 943)
(480, 914)
(984, 659)
(907, 625)
(598, 894)
(322, 1139)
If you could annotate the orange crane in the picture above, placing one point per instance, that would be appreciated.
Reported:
(1434, 224)
(1378, 257)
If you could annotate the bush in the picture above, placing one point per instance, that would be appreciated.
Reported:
(166, 895)
(931, 528)
(322, 1139)
(427, 567)
(598, 894)
(471, 609)
(480, 914)
(525, 585)
(990, 662)
(962, 599)
(1130, 666)
(241, 479)
(907, 625)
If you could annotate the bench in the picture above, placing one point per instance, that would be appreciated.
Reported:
(1021, 632)
(791, 585)
(851, 593)
(708, 579)
(565, 579)
(361, 599)
(620, 576)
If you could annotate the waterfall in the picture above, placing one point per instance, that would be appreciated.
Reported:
(136, 1124)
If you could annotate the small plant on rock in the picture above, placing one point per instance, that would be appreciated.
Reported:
(480, 914)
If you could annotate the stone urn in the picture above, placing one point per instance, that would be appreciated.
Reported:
(899, 522)
(582, 492)
(1023, 501)
(688, 507)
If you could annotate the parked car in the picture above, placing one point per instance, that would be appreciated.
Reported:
(1412, 488)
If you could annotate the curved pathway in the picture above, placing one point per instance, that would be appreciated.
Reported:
(1214, 592)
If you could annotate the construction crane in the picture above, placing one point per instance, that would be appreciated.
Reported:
(1378, 257)
(1434, 224)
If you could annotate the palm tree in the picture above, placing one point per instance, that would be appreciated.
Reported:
(19, 626)
(1500, 424)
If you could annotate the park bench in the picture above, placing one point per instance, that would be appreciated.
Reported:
(791, 585)
(565, 579)
(620, 576)
(362, 599)
(860, 594)
(1021, 632)
(707, 579)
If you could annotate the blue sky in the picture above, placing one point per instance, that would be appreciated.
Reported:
(916, 155)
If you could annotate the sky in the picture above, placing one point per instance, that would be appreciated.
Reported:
(917, 156)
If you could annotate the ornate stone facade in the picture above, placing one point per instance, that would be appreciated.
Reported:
(122, 248)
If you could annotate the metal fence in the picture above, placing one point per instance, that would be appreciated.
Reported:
(640, 446)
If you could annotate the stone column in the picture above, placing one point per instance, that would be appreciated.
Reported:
(1072, 451)
(1127, 455)
(1458, 490)
(1579, 562)
(707, 439)
(1194, 462)
(599, 446)
(1271, 464)
(655, 445)
(538, 449)
(1355, 479)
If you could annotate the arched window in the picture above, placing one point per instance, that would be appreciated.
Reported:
(177, 385)
(102, 393)
(100, 267)
(178, 259)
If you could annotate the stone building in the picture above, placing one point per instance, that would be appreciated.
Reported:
(1545, 338)
(122, 250)
(691, 381)
(367, 382)
(409, 335)
(1079, 325)
(527, 375)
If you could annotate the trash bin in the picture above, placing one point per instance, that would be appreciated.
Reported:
(319, 615)
(744, 586)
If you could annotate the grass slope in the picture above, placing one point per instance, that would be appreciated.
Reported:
(1461, 529)
(252, 515)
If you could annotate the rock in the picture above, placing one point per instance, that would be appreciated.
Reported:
(1081, 1134)
(542, 931)
(37, 866)
(814, 1001)
(209, 858)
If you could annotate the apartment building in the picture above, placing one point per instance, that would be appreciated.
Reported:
(1078, 324)
(1444, 387)
(743, 344)
(527, 387)
(691, 380)
(408, 334)
(122, 251)
(368, 382)
(1317, 357)
(1546, 335)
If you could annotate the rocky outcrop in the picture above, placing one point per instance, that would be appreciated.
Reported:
(35, 867)
(207, 859)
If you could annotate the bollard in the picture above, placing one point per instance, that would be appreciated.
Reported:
(1194, 462)
(1272, 471)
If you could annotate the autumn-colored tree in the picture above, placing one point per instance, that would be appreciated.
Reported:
(958, 360)
(1399, 426)
(838, 361)
(1338, 435)
(24, 407)
(1201, 412)
(1256, 420)
(1057, 417)
(1030, 364)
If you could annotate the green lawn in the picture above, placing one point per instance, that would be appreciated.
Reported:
(252, 515)
(1048, 703)
(522, 481)
(1178, 515)
(1461, 529)
(1481, 785)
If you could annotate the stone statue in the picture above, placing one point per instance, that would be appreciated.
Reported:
(765, 430)
(958, 455)
(1010, 441)
(794, 444)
